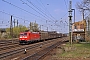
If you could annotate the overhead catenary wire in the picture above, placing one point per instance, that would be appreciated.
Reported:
(23, 9)
(28, 12)
(12, 15)
(39, 9)
(3, 22)
(35, 10)
(65, 4)
(47, 10)
(51, 15)
(66, 24)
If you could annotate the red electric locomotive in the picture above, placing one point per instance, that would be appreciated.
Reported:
(27, 37)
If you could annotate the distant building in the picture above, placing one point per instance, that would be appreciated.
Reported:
(79, 30)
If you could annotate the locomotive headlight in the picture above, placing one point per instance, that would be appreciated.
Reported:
(25, 37)
(20, 37)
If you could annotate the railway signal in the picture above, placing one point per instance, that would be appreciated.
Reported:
(70, 21)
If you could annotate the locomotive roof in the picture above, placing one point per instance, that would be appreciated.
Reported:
(28, 32)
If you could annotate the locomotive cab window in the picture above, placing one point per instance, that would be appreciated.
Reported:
(25, 34)
(21, 34)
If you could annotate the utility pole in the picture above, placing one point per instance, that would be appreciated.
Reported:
(40, 28)
(17, 23)
(14, 22)
(11, 27)
(83, 11)
(88, 25)
(83, 14)
(40, 33)
(47, 26)
(47, 29)
(30, 26)
(70, 21)
(35, 26)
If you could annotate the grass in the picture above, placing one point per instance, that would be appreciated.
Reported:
(78, 50)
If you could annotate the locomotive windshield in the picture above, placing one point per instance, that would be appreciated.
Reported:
(21, 34)
(24, 34)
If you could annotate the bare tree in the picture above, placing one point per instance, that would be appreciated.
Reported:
(84, 7)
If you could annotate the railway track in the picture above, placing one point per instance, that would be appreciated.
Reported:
(30, 52)
(8, 42)
(18, 50)
(9, 53)
(9, 47)
(40, 54)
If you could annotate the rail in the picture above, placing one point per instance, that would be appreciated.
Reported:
(40, 54)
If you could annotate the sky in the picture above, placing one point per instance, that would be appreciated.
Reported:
(51, 14)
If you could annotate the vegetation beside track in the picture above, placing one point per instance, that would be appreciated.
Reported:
(79, 50)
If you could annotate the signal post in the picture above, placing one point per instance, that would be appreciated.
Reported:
(70, 22)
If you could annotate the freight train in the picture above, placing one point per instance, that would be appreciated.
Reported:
(28, 37)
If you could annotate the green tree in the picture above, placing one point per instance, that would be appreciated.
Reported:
(34, 27)
(16, 30)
